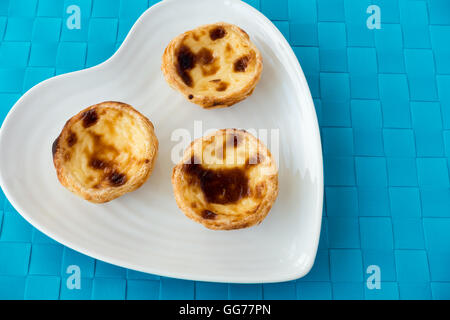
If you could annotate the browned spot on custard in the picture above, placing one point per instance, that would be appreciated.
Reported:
(102, 148)
(185, 62)
(97, 160)
(209, 215)
(220, 186)
(215, 80)
(241, 64)
(222, 86)
(210, 69)
(71, 139)
(193, 205)
(117, 179)
(98, 164)
(191, 97)
(209, 65)
(55, 145)
(229, 51)
(217, 33)
(90, 117)
(195, 36)
(204, 56)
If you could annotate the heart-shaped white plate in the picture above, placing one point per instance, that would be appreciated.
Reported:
(144, 230)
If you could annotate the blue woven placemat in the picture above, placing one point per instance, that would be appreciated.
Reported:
(382, 95)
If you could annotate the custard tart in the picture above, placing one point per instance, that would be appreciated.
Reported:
(226, 180)
(214, 66)
(105, 151)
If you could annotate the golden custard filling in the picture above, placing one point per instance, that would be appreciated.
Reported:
(215, 61)
(104, 148)
(226, 176)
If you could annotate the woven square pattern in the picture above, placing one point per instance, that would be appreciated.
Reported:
(379, 74)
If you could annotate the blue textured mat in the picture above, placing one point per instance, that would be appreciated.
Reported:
(383, 101)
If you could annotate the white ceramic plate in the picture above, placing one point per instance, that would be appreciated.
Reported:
(145, 230)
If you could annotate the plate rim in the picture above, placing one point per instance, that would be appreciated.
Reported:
(180, 275)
